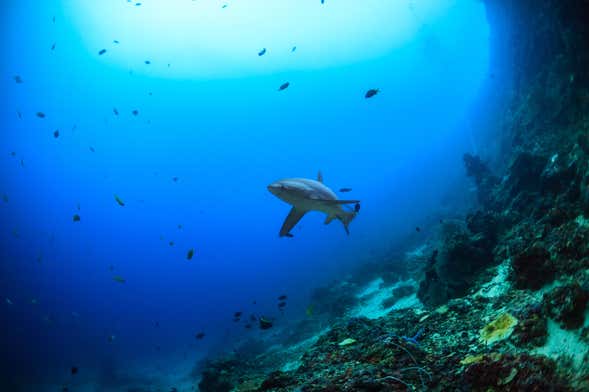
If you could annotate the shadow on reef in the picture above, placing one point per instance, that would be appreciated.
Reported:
(504, 291)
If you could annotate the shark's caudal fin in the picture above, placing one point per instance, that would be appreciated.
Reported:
(346, 217)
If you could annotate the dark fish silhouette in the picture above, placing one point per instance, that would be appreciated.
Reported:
(74, 370)
(343, 190)
(282, 297)
(101, 52)
(76, 218)
(190, 254)
(262, 52)
(265, 323)
(40, 114)
(283, 86)
(199, 335)
(56, 133)
(418, 229)
(17, 79)
(53, 47)
(115, 111)
(282, 305)
(147, 62)
(371, 93)
(135, 112)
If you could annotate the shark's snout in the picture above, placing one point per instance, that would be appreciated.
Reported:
(275, 188)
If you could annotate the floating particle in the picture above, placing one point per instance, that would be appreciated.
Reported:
(56, 133)
(101, 52)
(17, 79)
(371, 93)
(76, 218)
(118, 279)
(262, 52)
(119, 201)
(40, 114)
(135, 112)
(190, 254)
(283, 86)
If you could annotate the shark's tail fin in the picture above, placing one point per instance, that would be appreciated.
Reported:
(346, 217)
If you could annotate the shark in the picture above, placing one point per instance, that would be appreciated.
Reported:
(306, 195)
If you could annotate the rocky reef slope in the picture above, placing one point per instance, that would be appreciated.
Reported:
(504, 292)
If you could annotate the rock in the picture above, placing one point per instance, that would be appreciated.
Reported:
(532, 268)
(567, 305)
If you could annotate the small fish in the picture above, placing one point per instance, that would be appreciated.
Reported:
(284, 86)
(118, 279)
(135, 112)
(147, 62)
(92, 149)
(9, 302)
(171, 243)
(111, 338)
(74, 370)
(357, 207)
(262, 52)
(53, 46)
(224, 6)
(115, 41)
(22, 163)
(309, 310)
(75, 315)
(282, 305)
(343, 190)
(248, 326)
(237, 314)
(293, 49)
(322, 1)
(282, 297)
(56, 133)
(34, 301)
(175, 179)
(190, 254)
(137, 4)
(53, 19)
(265, 323)
(371, 93)
(17, 79)
(253, 317)
(19, 114)
(5, 198)
(40, 114)
(418, 229)
(101, 52)
(111, 267)
(76, 218)
(13, 154)
(180, 227)
(119, 201)
(199, 335)
(115, 111)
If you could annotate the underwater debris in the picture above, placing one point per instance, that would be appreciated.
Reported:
(76, 218)
(265, 323)
(101, 52)
(118, 279)
(199, 336)
(284, 86)
(190, 254)
(262, 52)
(17, 79)
(371, 93)
(56, 133)
(346, 342)
(119, 201)
(499, 329)
(40, 114)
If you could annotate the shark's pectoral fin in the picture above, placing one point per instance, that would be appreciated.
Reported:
(329, 219)
(294, 216)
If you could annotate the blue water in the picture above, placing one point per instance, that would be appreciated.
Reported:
(225, 138)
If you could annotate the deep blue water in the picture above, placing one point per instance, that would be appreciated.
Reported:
(224, 138)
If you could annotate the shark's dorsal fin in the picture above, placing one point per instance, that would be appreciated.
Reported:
(320, 176)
